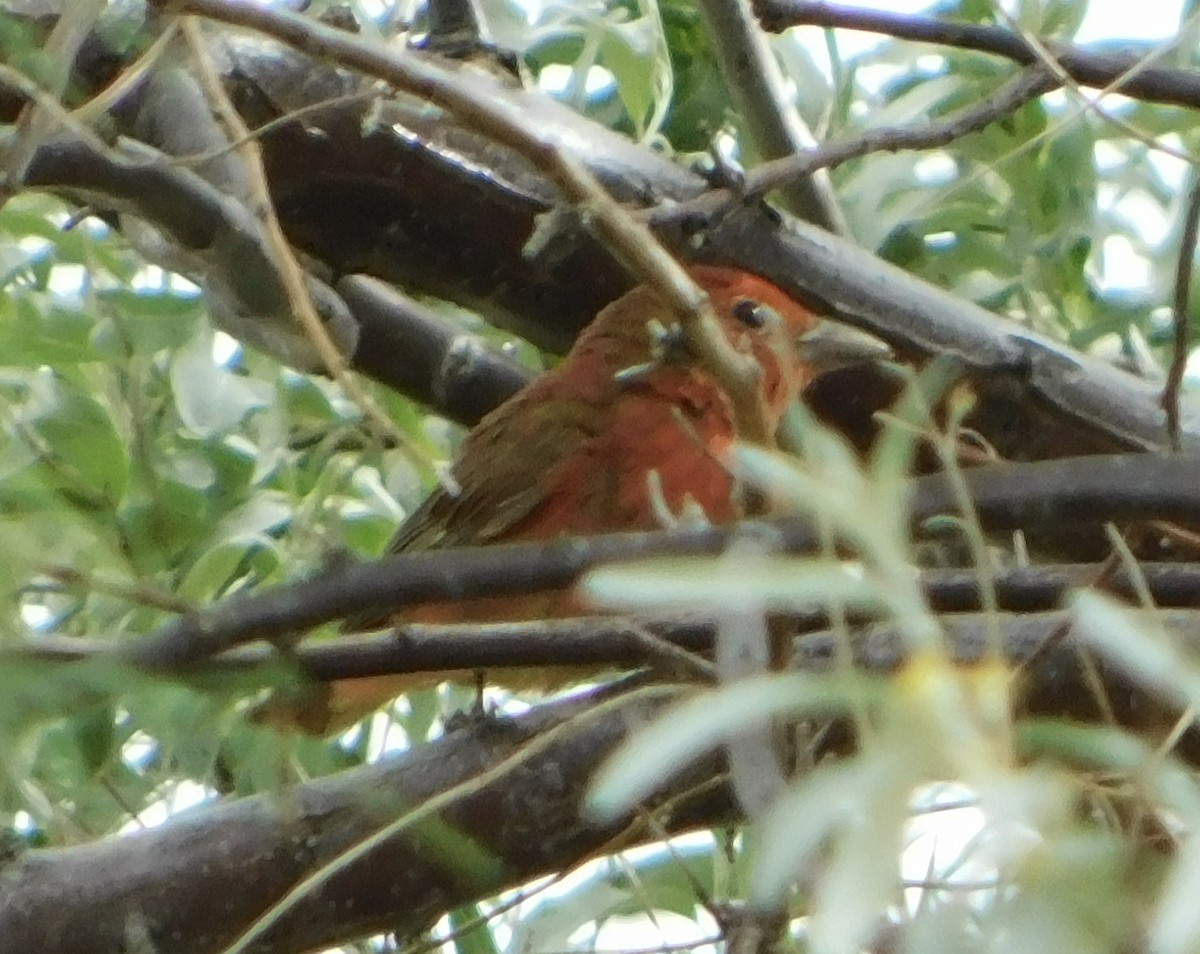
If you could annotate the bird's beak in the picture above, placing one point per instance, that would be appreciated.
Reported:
(831, 345)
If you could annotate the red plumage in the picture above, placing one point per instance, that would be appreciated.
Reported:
(573, 452)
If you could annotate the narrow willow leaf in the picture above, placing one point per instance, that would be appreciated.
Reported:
(694, 727)
(752, 581)
(1132, 640)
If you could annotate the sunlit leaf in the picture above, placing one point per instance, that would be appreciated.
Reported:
(742, 581)
(210, 398)
(73, 438)
(695, 726)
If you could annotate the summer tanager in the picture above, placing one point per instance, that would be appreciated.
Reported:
(625, 429)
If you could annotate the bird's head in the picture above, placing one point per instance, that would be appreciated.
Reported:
(791, 343)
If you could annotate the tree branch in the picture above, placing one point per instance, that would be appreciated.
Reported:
(459, 94)
(1070, 492)
(772, 120)
(1024, 88)
(421, 354)
(1007, 364)
(1125, 72)
(1179, 314)
(198, 230)
(406, 346)
(777, 173)
(344, 202)
(601, 642)
(1055, 672)
(240, 857)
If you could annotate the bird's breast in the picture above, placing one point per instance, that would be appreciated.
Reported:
(661, 456)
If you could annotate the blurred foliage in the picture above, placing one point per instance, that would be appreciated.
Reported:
(150, 463)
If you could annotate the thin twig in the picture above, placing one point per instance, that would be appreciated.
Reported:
(1179, 315)
(1127, 73)
(1145, 598)
(1026, 87)
(136, 592)
(435, 807)
(766, 106)
(1154, 84)
(1023, 88)
(1075, 491)
(129, 78)
(667, 651)
(1060, 633)
(290, 272)
(594, 643)
(1047, 57)
(294, 116)
(36, 123)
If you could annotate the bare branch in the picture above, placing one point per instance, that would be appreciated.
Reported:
(241, 856)
(1180, 314)
(1071, 492)
(772, 120)
(1025, 88)
(1065, 400)
(1124, 72)
(1009, 365)
(605, 643)
(420, 353)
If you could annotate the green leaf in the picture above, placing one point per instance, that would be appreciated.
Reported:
(34, 331)
(1061, 18)
(471, 934)
(74, 438)
(643, 79)
(211, 399)
(146, 321)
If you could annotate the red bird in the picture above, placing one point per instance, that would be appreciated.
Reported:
(625, 428)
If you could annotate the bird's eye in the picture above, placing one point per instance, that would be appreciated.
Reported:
(750, 313)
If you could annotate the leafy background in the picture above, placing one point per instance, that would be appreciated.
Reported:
(151, 463)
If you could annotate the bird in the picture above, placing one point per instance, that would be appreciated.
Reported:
(626, 432)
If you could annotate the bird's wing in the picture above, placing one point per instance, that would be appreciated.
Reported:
(673, 424)
(501, 475)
